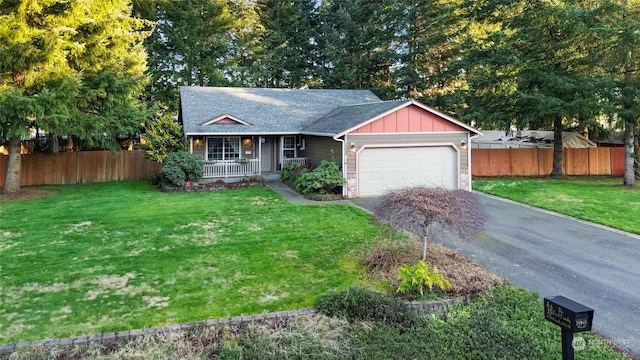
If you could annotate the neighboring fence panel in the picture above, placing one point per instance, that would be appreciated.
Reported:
(539, 162)
(545, 161)
(617, 160)
(524, 163)
(575, 161)
(81, 167)
(491, 162)
(599, 161)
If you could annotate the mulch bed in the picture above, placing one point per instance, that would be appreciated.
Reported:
(211, 186)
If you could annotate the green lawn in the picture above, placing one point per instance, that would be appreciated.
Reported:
(601, 200)
(113, 256)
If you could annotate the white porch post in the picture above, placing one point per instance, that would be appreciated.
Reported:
(260, 155)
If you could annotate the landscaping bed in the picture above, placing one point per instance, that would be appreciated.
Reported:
(504, 323)
(213, 185)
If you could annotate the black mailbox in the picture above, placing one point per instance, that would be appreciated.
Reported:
(568, 314)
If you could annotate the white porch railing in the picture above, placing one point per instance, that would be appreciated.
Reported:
(231, 168)
(299, 161)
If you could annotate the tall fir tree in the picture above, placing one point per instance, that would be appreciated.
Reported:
(241, 61)
(69, 67)
(537, 52)
(188, 46)
(427, 38)
(286, 56)
(618, 42)
(357, 45)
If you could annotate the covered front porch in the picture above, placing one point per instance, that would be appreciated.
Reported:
(247, 155)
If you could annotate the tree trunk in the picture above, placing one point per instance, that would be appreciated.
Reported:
(557, 147)
(70, 142)
(55, 145)
(629, 173)
(425, 241)
(14, 166)
(636, 144)
(628, 96)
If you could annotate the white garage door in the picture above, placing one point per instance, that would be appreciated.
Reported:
(382, 169)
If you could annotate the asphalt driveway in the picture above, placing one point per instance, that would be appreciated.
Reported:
(553, 255)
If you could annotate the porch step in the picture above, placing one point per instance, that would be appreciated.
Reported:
(270, 177)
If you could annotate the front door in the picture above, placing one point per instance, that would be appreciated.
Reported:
(266, 154)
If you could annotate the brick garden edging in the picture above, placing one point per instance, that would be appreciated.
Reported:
(432, 308)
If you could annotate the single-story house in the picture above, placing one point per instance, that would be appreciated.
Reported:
(381, 144)
(494, 139)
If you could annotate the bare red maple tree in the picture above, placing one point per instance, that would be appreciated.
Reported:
(431, 212)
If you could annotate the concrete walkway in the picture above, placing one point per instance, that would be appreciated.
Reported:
(286, 192)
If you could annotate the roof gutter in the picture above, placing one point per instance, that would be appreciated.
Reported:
(241, 133)
(344, 162)
(318, 134)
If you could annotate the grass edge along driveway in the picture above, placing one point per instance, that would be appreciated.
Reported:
(601, 200)
(105, 257)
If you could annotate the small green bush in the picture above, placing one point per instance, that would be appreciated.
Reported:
(291, 172)
(172, 175)
(359, 304)
(181, 166)
(324, 179)
(414, 279)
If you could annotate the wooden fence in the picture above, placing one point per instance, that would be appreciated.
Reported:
(81, 167)
(99, 166)
(539, 161)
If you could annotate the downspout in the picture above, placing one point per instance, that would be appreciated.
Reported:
(344, 164)
(469, 164)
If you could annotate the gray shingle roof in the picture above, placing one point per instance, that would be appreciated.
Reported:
(346, 117)
(267, 111)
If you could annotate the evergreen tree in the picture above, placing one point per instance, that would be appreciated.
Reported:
(537, 55)
(428, 43)
(69, 67)
(619, 41)
(188, 46)
(241, 61)
(286, 56)
(163, 137)
(356, 45)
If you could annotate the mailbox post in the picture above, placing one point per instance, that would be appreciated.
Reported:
(571, 316)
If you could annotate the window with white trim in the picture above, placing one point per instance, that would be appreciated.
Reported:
(289, 147)
(223, 148)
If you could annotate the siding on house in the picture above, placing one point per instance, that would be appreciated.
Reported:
(322, 148)
(409, 120)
